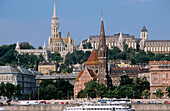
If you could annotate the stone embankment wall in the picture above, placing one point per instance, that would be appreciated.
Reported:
(36, 108)
(151, 107)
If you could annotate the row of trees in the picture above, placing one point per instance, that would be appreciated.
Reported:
(9, 90)
(60, 89)
(128, 88)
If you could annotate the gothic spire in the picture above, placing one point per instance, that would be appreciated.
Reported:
(102, 33)
(54, 13)
(44, 47)
(17, 46)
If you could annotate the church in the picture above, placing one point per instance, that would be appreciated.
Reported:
(55, 42)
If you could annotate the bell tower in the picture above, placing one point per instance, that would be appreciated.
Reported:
(102, 56)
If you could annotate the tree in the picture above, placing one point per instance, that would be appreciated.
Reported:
(40, 47)
(168, 91)
(18, 91)
(158, 57)
(125, 46)
(90, 89)
(125, 80)
(159, 93)
(9, 90)
(146, 93)
(26, 45)
(110, 93)
(87, 46)
(101, 90)
(81, 94)
(55, 57)
(50, 91)
(2, 89)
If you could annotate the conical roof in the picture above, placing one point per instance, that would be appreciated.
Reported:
(93, 59)
(144, 29)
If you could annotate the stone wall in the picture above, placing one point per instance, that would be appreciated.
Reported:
(151, 107)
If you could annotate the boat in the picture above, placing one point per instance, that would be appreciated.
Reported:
(100, 107)
(2, 108)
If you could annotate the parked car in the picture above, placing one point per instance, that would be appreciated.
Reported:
(149, 102)
(62, 102)
(66, 103)
(138, 102)
(159, 102)
(33, 102)
(42, 102)
(153, 102)
(1, 104)
(167, 102)
(48, 103)
(56, 103)
(145, 102)
(24, 103)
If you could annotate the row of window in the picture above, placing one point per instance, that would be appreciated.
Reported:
(163, 82)
(162, 75)
(7, 78)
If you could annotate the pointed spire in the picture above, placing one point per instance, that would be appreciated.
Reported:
(101, 16)
(17, 46)
(102, 34)
(54, 13)
(44, 47)
(144, 29)
(68, 34)
(121, 36)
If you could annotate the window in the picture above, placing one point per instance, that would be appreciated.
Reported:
(155, 82)
(0, 78)
(166, 75)
(155, 75)
(163, 75)
(4, 77)
(163, 82)
(9, 78)
(166, 82)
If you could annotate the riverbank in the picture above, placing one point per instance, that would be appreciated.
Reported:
(136, 107)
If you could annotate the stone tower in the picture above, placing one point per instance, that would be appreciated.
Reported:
(143, 37)
(102, 56)
(120, 42)
(54, 25)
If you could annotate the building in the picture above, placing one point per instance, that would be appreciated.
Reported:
(160, 78)
(92, 62)
(77, 68)
(121, 63)
(102, 57)
(116, 73)
(47, 68)
(56, 43)
(19, 75)
(82, 79)
(143, 43)
(44, 52)
(158, 63)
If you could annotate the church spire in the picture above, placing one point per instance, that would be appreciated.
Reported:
(17, 46)
(44, 47)
(54, 13)
(102, 33)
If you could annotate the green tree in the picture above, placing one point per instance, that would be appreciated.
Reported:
(125, 80)
(146, 93)
(9, 90)
(18, 91)
(110, 93)
(81, 94)
(90, 89)
(40, 47)
(159, 93)
(55, 57)
(26, 45)
(50, 91)
(168, 91)
(87, 45)
(2, 89)
(101, 90)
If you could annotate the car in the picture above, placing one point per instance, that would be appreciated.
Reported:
(66, 103)
(159, 102)
(24, 103)
(1, 104)
(138, 102)
(145, 102)
(48, 103)
(42, 102)
(33, 102)
(167, 102)
(62, 102)
(153, 102)
(56, 103)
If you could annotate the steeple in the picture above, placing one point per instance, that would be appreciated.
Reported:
(102, 33)
(120, 41)
(68, 34)
(144, 29)
(17, 46)
(44, 47)
(54, 13)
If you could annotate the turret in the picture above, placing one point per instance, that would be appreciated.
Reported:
(144, 33)
(17, 46)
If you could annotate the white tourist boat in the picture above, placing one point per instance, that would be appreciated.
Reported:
(2, 108)
(100, 107)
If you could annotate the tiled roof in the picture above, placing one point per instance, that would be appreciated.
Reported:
(94, 76)
(125, 70)
(93, 59)
(144, 29)
(79, 75)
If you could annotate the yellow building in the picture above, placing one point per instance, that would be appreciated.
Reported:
(47, 67)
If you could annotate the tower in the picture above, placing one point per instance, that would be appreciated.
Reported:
(120, 41)
(102, 56)
(54, 24)
(143, 37)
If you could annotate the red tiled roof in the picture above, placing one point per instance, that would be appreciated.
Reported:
(93, 59)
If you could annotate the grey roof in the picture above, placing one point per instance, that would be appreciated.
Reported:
(15, 70)
(35, 72)
(144, 29)
(9, 69)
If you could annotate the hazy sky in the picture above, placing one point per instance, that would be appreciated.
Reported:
(30, 20)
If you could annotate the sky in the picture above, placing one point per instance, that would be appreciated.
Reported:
(30, 20)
